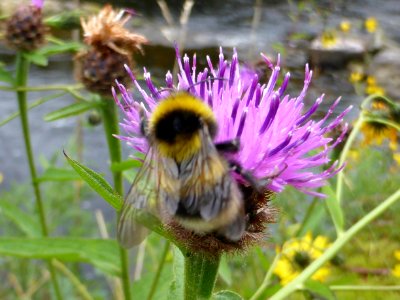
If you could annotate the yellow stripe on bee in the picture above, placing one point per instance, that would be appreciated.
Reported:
(181, 149)
(182, 101)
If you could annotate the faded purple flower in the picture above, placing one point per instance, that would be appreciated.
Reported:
(277, 137)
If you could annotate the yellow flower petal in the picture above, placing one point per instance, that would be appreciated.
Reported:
(371, 24)
(397, 254)
(396, 271)
(355, 77)
(345, 26)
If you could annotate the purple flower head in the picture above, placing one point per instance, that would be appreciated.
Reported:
(276, 136)
(37, 3)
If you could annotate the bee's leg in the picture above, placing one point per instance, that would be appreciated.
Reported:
(143, 122)
(258, 184)
(231, 146)
(248, 176)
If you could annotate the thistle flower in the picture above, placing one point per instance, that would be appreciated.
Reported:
(276, 136)
(25, 30)
(296, 254)
(110, 47)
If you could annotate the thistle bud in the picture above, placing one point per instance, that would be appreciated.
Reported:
(25, 30)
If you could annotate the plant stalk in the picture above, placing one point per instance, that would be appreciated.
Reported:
(22, 70)
(200, 276)
(110, 119)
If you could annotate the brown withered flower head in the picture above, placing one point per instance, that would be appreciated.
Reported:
(25, 30)
(110, 47)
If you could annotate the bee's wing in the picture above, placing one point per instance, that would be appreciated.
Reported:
(207, 181)
(142, 196)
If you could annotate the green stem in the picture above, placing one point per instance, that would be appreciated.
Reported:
(343, 155)
(383, 121)
(335, 247)
(32, 105)
(110, 119)
(159, 270)
(200, 276)
(365, 287)
(22, 70)
(18, 88)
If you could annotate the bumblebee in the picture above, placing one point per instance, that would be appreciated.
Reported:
(185, 176)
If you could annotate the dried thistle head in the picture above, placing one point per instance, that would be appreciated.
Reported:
(107, 30)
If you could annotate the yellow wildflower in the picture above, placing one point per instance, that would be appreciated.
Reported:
(375, 132)
(345, 26)
(396, 157)
(371, 24)
(375, 89)
(328, 39)
(396, 269)
(356, 77)
(1, 177)
(297, 253)
(371, 80)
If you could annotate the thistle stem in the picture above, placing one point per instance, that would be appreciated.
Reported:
(110, 119)
(200, 276)
(22, 70)
(297, 283)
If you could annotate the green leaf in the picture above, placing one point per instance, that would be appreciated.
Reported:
(58, 174)
(57, 49)
(5, 75)
(37, 58)
(334, 208)
(320, 290)
(314, 217)
(103, 254)
(141, 287)
(70, 110)
(225, 271)
(226, 295)
(125, 165)
(97, 183)
(176, 287)
(26, 222)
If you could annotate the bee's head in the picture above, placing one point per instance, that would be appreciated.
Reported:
(176, 123)
(180, 124)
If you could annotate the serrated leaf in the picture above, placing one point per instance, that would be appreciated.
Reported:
(58, 174)
(37, 58)
(319, 289)
(97, 183)
(334, 207)
(125, 165)
(103, 254)
(70, 110)
(226, 295)
(24, 221)
(224, 271)
(176, 287)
